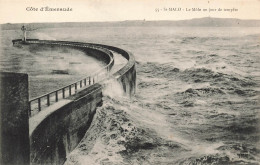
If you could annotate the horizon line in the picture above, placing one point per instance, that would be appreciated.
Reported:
(144, 20)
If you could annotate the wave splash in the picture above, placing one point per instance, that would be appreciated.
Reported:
(117, 137)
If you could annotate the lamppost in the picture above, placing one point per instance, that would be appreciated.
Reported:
(24, 33)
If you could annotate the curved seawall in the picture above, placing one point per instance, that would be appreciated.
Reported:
(57, 130)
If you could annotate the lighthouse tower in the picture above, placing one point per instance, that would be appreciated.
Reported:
(24, 33)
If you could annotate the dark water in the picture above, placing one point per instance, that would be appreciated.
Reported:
(197, 98)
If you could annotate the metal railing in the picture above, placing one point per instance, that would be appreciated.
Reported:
(50, 98)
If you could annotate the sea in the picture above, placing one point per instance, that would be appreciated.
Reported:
(196, 100)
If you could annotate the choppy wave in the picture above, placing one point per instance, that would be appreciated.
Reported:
(197, 102)
(119, 136)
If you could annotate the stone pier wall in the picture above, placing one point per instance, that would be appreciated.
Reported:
(14, 126)
(59, 129)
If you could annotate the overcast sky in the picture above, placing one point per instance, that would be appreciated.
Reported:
(14, 11)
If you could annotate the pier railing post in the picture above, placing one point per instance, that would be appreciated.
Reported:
(48, 100)
(56, 96)
(39, 104)
(70, 90)
(76, 87)
(63, 92)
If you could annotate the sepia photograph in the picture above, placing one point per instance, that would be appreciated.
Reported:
(130, 82)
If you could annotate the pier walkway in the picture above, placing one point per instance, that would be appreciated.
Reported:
(54, 99)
